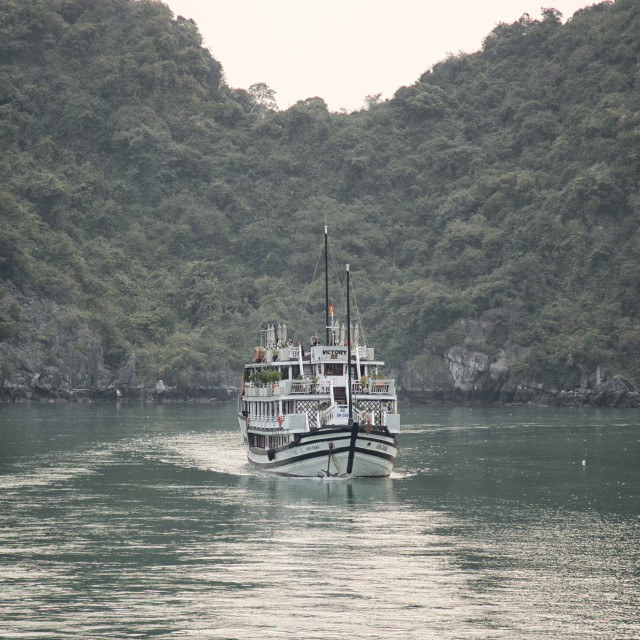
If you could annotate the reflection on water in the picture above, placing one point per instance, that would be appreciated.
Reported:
(147, 521)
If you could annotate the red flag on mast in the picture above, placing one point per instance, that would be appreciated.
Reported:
(331, 307)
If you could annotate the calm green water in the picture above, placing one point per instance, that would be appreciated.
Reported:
(144, 521)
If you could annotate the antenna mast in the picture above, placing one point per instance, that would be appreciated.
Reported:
(354, 425)
(350, 389)
(326, 283)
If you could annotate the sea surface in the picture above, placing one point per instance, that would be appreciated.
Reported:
(145, 521)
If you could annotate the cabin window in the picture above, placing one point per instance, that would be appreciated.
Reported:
(278, 441)
(333, 369)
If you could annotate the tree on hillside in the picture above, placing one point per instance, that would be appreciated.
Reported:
(263, 97)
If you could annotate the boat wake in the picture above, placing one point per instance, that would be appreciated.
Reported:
(218, 452)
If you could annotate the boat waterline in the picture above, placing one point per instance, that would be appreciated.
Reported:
(326, 452)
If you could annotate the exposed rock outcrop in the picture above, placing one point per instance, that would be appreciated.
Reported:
(465, 373)
(470, 376)
(52, 357)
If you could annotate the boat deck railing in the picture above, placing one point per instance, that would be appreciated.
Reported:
(298, 386)
(321, 387)
(280, 388)
(282, 354)
(291, 422)
(374, 386)
(290, 353)
(338, 414)
(335, 414)
(380, 386)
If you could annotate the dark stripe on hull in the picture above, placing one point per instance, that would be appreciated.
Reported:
(341, 439)
(321, 454)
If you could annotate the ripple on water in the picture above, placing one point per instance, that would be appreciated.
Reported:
(165, 531)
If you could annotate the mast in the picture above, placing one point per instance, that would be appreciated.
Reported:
(352, 424)
(349, 349)
(326, 283)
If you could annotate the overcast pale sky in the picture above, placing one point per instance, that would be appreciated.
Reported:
(345, 50)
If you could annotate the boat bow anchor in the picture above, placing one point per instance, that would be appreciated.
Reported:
(332, 457)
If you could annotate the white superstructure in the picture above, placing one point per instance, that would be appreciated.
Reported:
(294, 410)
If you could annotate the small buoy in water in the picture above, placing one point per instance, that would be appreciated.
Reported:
(584, 460)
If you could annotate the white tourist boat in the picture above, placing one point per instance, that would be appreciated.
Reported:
(308, 413)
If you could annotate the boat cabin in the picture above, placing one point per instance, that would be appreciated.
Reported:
(289, 390)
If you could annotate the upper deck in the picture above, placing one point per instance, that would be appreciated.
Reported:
(317, 354)
(283, 382)
(377, 388)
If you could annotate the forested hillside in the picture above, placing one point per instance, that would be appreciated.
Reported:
(491, 208)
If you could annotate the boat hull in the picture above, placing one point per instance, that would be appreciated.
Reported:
(325, 453)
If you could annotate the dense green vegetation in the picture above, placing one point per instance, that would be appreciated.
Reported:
(180, 216)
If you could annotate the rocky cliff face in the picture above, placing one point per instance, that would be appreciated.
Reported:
(53, 357)
(467, 374)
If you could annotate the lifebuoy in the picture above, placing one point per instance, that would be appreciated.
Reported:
(247, 422)
(279, 420)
